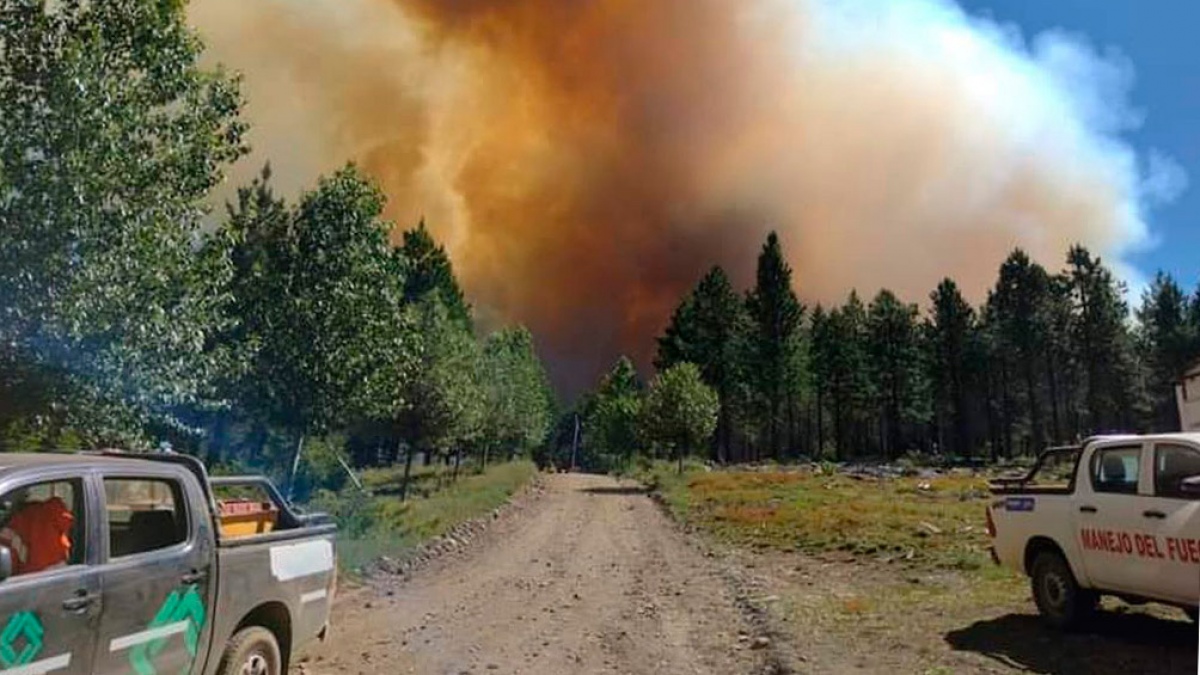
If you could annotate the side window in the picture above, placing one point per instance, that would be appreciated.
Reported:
(43, 525)
(144, 514)
(1116, 470)
(1172, 464)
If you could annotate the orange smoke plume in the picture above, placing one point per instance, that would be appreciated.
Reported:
(585, 162)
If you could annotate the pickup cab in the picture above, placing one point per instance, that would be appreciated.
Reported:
(127, 567)
(1118, 516)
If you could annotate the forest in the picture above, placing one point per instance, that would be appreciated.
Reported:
(134, 315)
(1051, 356)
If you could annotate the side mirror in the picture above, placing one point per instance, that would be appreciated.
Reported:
(6, 563)
(1190, 486)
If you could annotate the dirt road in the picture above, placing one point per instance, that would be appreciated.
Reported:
(592, 578)
(587, 575)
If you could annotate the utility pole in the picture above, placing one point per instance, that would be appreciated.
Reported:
(575, 443)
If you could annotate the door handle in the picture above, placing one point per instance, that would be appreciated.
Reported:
(79, 602)
(193, 577)
(1154, 514)
(1087, 509)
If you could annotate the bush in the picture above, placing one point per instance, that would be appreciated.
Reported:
(319, 468)
(356, 513)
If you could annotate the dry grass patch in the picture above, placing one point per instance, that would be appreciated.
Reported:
(936, 522)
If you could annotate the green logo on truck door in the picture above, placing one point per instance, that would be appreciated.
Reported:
(23, 630)
(183, 610)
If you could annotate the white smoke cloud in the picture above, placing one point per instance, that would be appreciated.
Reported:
(991, 107)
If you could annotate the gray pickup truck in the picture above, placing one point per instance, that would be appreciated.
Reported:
(113, 563)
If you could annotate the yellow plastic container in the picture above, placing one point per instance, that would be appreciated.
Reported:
(244, 518)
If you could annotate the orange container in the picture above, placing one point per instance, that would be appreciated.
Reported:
(243, 517)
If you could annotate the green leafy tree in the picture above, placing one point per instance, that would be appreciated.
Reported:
(320, 312)
(444, 403)
(777, 316)
(111, 137)
(709, 329)
(680, 411)
(518, 397)
(610, 421)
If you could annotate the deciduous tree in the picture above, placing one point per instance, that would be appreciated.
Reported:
(680, 411)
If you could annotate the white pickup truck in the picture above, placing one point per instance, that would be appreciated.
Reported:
(1119, 516)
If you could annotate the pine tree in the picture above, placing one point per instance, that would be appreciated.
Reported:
(998, 383)
(777, 316)
(1062, 371)
(1102, 343)
(820, 350)
(1018, 306)
(950, 328)
(894, 345)
(1194, 320)
(850, 394)
(430, 271)
(708, 329)
(1168, 346)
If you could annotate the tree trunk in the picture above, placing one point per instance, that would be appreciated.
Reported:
(791, 425)
(882, 430)
(408, 462)
(1052, 380)
(1035, 410)
(295, 467)
(839, 430)
(682, 449)
(820, 424)
(457, 463)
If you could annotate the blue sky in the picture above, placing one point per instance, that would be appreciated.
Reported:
(1160, 40)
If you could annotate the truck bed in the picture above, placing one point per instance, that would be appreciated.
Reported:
(292, 569)
(1020, 489)
(1041, 479)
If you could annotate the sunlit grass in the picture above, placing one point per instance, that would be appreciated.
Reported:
(382, 525)
(934, 522)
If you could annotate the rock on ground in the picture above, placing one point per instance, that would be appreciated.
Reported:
(590, 578)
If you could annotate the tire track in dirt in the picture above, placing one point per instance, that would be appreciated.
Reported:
(590, 578)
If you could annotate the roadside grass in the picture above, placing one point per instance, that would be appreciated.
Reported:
(377, 525)
(897, 564)
(919, 543)
(424, 480)
(937, 523)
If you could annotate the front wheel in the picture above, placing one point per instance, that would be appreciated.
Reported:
(1059, 598)
(252, 651)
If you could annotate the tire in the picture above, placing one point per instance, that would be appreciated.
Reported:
(252, 651)
(1062, 603)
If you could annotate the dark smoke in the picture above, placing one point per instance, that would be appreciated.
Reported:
(587, 161)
